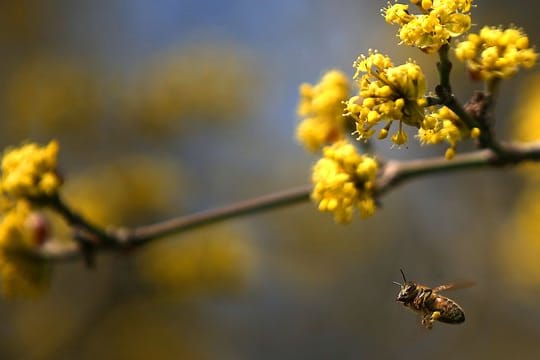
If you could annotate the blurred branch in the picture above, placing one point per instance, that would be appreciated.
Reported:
(393, 174)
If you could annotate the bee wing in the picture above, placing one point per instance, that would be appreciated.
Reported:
(454, 286)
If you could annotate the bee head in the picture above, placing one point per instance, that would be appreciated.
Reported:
(408, 290)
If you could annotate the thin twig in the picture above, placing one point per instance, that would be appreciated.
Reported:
(444, 89)
(447, 98)
(86, 231)
(393, 174)
(143, 234)
(444, 66)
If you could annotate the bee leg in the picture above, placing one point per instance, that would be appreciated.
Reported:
(430, 318)
(426, 320)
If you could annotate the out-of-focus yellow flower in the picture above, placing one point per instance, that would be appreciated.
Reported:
(387, 93)
(23, 22)
(519, 245)
(496, 53)
(52, 94)
(155, 329)
(212, 260)
(519, 240)
(321, 110)
(526, 123)
(443, 125)
(438, 22)
(30, 171)
(21, 274)
(202, 82)
(125, 191)
(343, 180)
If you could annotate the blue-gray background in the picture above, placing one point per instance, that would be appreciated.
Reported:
(320, 291)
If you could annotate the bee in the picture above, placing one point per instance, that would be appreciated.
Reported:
(429, 304)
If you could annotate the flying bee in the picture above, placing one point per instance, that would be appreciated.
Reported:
(429, 304)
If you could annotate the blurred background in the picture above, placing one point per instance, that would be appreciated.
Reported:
(170, 107)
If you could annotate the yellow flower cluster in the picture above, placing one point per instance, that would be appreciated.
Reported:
(20, 274)
(496, 53)
(445, 125)
(387, 93)
(30, 171)
(321, 110)
(344, 180)
(438, 22)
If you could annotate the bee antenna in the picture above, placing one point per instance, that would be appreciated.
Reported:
(403, 274)
(395, 282)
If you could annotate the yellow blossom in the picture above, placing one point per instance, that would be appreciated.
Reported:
(496, 53)
(398, 14)
(383, 133)
(475, 133)
(343, 180)
(444, 125)
(321, 110)
(450, 153)
(20, 273)
(400, 137)
(30, 171)
(387, 93)
(437, 23)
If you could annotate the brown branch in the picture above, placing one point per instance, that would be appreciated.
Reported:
(477, 113)
(143, 234)
(393, 174)
(126, 238)
(397, 172)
